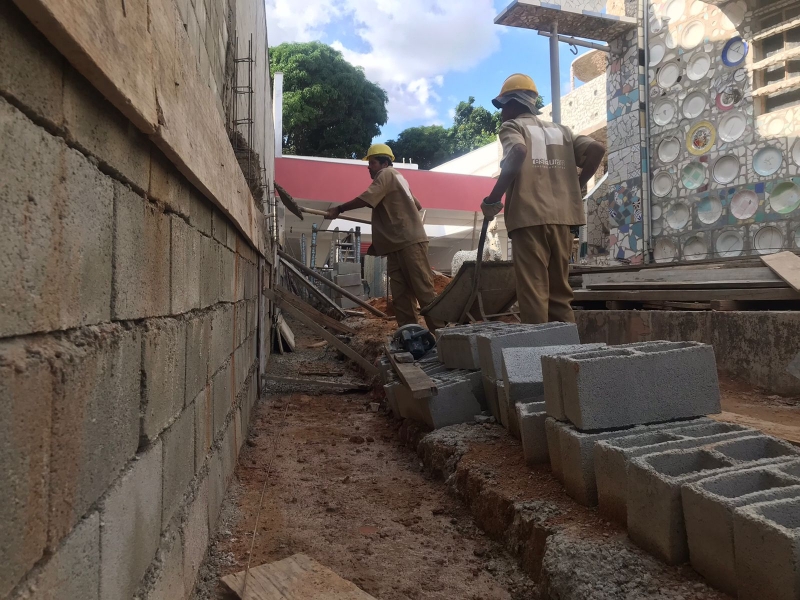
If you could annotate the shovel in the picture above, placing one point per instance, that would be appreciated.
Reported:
(476, 278)
(298, 210)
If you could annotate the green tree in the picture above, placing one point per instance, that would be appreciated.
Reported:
(426, 146)
(330, 108)
(473, 127)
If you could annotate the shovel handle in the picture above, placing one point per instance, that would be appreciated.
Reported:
(321, 213)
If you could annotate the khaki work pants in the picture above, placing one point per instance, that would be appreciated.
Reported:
(541, 264)
(411, 281)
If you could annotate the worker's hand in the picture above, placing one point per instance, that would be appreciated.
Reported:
(491, 209)
(332, 213)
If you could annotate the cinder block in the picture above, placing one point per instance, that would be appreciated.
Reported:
(227, 270)
(708, 507)
(347, 268)
(668, 381)
(204, 426)
(195, 535)
(185, 267)
(164, 366)
(141, 257)
(168, 583)
(95, 420)
(222, 337)
(491, 345)
(98, 128)
(346, 303)
(223, 397)
(767, 540)
(216, 488)
(73, 571)
(167, 185)
(200, 212)
(219, 227)
(490, 393)
(131, 526)
(502, 403)
(655, 512)
(756, 448)
(611, 457)
(179, 467)
(353, 280)
(551, 430)
(454, 403)
(210, 281)
(458, 346)
(531, 418)
(57, 243)
(27, 388)
(198, 350)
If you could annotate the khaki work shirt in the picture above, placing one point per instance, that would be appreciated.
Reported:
(396, 222)
(546, 191)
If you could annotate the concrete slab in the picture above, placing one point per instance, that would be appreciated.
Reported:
(532, 429)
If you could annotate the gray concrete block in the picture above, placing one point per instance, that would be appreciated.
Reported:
(131, 525)
(531, 418)
(73, 571)
(210, 281)
(492, 401)
(227, 270)
(141, 257)
(348, 281)
(184, 267)
(179, 467)
(708, 507)
(219, 227)
(56, 251)
(455, 403)
(458, 346)
(551, 430)
(347, 268)
(203, 406)
(756, 448)
(200, 212)
(168, 577)
(195, 534)
(222, 337)
(502, 403)
(611, 457)
(27, 389)
(216, 488)
(346, 303)
(95, 419)
(224, 394)
(164, 368)
(167, 185)
(669, 381)
(198, 351)
(655, 511)
(767, 540)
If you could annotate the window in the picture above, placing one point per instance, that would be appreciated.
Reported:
(776, 63)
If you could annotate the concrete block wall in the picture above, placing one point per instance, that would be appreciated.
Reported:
(127, 344)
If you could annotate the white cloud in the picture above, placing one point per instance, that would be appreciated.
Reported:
(299, 21)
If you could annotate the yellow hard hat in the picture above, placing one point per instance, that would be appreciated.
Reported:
(379, 150)
(518, 82)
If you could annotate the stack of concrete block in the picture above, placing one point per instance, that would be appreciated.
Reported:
(347, 275)
(458, 346)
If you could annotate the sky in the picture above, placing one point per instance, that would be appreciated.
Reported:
(427, 54)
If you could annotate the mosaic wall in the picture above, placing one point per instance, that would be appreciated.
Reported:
(725, 182)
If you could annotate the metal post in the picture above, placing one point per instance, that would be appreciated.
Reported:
(313, 264)
(358, 245)
(555, 75)
(277, 114)
(303, 249)
(474, 228)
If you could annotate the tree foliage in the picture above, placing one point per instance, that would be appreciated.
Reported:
(330, 108)
(427, 146)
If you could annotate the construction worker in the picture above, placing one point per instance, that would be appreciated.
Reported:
(398, 233)
(539, 177)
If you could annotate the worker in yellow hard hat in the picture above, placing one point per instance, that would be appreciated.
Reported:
(542, 184)
(397, 233)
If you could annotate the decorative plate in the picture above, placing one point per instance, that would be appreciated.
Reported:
(657, 52)
(726, 169)
(668, 75)
(662, 184)
(785, 197)
(739, 75)
(665, 250)
(663, 112)
(732, 126)
(797, 238)
(694, 105)
(656, 25)
(674, 9)
(655, 212)
(695, 249)
(775, 126)
(767, 161)
(796, 153)
(709, 210)
(768, 240)
(693, 35)
(728, 97)
(744, 204)
(735, 12)
(669, 39)
(669, 149)
(678, 216)
(729, 244)
(734, 52)
(698, 66)
(693, 175)
(657, 228)
(701, 138)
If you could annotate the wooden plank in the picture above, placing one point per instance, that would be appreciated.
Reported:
(312, 312)
(295, 578)
(689, 295)
(414, 378)
(338, 386)
(313, 289)
(677, 305)
(690, 278)
(786, 265)
(368, 368)
(286, 333)
(790, 433)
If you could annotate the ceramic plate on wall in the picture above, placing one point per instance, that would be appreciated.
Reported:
(767, 161)
(735, 12)
(695, 249)
(656, 25)
(664, 112)
(668, 75)
(785, 197)
(730, 243)
(797, 238)
(796, 152)
(678, 216)
(734, 52)
(726, 169)
(693, 35)
(744, 204)
(657, 228)
(694, 105)
(669, 39)
(657, 52)
(693, 175)
(709, 210)
(655, 212)
(674, 9)
(732, 126)
(728, 97)
(669, 149)
(768, 240)
(665, 250)
(698, 66)
(662, 184)
(701, 138)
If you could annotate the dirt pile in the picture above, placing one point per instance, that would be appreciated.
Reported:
(440, 282)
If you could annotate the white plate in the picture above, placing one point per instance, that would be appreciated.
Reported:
(709, 210)
(767, 161)
(657, 52)
(797, 238)
(695, 249)
(674, 9)
(664, 112)
(657, 228)
(732, 126)
(694, 105)
(668, 75)
(726, 169)
(655, 212)
(669, 39)
(656, 25)
(768, 240)
(734, 13)
(665, 250)
(785, 197)
(796, 152)
(698, 66)
(776, 126)
(744, 204)
(662, 184)
(730, 243)
(693, 35)
(678, 216)
(669, 149)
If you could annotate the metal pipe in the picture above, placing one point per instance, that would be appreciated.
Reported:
(358, 245)
(277, 114)
(567, 39)
(555, 75)
(646, 191)
(303, 249)
(313, 264)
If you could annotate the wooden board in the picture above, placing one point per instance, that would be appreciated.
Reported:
(786, 265)
(286, 333)
(312, 312)
(747, 277)
(696, 295)
(295, 578)
(414, 378)
(339, 386)
(313, 289)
